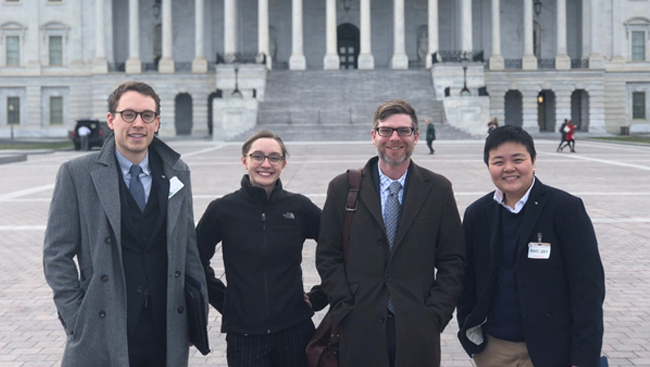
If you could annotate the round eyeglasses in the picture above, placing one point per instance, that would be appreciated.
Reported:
(388, 131)
(259, 157)
(130, 116)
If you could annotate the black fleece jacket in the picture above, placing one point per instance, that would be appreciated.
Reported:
(262, 239)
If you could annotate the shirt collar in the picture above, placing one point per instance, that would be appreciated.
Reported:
(499, 196)
(125, 164)
(385, 181)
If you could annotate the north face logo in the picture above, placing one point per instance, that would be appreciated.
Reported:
(289, 215)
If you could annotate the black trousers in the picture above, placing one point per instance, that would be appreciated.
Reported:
(285, 348)
(146, 347)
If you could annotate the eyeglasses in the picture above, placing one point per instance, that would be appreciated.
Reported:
(130, 116)
(401, 131)
(259, 157)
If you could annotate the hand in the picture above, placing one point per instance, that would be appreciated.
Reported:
(306, 298)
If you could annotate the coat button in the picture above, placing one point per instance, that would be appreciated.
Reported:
(177, 274)
(380, 319)
(139, 289)
(107, 240)
(104, 278)
(388, 278)
(380, 241)
(102, 314)
(180, 310)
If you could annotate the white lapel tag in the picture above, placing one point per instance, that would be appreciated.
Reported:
(539, 250)
(175, 185)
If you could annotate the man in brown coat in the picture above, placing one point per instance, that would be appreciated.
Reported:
(406, 253)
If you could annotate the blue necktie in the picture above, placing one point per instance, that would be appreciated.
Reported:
(135, 187)
(391, 220)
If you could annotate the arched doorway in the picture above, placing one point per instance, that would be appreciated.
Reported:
(216, 94)
(183, 114)
(513, 108)
(546, 110)
(580, 109)
(348, 45)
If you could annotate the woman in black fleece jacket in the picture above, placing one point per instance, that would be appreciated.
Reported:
(262, 228)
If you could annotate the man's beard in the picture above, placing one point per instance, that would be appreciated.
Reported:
(384, 157)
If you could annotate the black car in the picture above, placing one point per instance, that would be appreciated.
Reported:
(99, 131)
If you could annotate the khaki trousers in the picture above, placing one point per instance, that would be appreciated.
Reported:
(503, 353)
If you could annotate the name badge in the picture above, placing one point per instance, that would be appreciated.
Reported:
(539, 250)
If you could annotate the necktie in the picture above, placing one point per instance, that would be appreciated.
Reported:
(391, 219)
(392, 212)
(135, 187)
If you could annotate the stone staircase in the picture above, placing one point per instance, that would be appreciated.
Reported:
(332, 105)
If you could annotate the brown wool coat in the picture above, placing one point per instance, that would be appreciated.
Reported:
(423, 273)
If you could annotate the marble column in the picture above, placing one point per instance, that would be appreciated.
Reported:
(595, 58)
(263, 31)
(100, 64)
(529, 61)
(530, 113)
(366, 60)
(230, 31)
(399, 59)
(496, 60)
(433, 31)
(466, 26)
(297, 60)
(199, 64)
(133, 63)
(562, 60)
(331, 60)
(618, 60)
(166, 64)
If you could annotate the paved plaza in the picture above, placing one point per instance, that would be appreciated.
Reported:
(612, 179)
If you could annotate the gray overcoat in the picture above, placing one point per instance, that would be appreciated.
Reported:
(84, 223)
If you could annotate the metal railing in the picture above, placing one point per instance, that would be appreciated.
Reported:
(242, 58)
(546, 63)
(512, 64)
(116, 66)
(457, 56)
(579, 63)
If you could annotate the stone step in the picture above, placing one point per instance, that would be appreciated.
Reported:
(341, 132)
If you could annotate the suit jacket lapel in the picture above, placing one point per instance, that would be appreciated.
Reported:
(106, 183)
(413, 199)
(532, 212)
(370, 197)
(492, 213)
(159, 180)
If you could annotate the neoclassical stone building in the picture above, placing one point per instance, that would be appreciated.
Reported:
(531, 63)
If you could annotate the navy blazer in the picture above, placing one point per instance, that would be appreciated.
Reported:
(560, 297)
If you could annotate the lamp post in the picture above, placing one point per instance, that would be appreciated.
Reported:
(11, 124)
(236, 93)
(465, 91)
(537, 5)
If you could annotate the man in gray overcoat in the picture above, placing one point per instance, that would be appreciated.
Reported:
(406, 255)
(123, 217)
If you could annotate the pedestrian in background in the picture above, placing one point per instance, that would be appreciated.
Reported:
(84, 133)
(534, 285)
(262, 228)
(564, 130)
(492, 124)
(123, 216)
(431, 135)
(406, 253)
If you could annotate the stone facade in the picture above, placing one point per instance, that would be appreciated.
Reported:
(553, 59)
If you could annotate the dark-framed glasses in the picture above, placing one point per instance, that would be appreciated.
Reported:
(388, 131)
(130, 115)
(259, 157)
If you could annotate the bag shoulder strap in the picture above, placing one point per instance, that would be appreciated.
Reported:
(351, 206)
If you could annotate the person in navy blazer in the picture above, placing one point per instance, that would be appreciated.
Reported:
(534, 285)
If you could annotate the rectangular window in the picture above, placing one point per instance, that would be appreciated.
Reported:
(638, 105)
(638, 46)
(13, 50)
(56, 110)
(56, 50)
(13, 110)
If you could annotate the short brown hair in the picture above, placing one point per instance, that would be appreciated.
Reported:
(263, 134)
(142, 88)
(394, 107)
